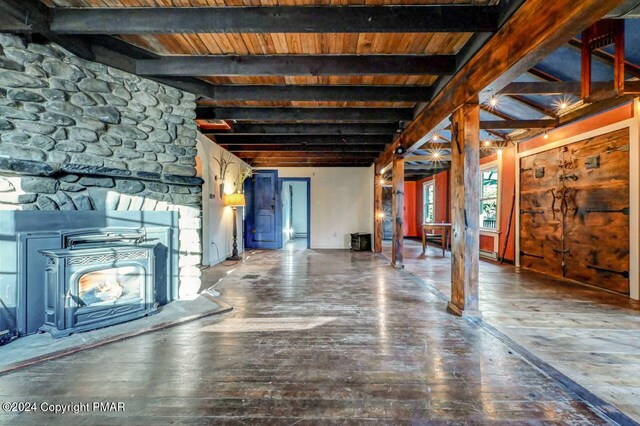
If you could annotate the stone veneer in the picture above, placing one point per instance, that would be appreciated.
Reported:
(78, 135)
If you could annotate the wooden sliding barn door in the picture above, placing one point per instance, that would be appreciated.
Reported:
(574, 211)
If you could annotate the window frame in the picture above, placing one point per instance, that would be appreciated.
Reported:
(425, 185)
(497, 165)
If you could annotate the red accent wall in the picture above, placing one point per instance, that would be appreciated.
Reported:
(508, 178)
(508, 191)
(410, 229)
(612, 116)
(443, 205)
(486, 243)
(443, 212)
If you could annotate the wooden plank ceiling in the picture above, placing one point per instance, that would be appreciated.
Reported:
(315, 126)
(326, 83)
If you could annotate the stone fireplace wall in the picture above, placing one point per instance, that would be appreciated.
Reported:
(78, 135)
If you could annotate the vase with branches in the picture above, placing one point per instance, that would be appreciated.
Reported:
(242, 176)
(224, 161)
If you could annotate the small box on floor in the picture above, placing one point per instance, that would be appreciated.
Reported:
(361, 241)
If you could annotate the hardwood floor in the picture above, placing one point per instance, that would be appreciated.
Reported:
(315, 337)
(590, 335)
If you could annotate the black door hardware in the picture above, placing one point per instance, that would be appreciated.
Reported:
(624, 274)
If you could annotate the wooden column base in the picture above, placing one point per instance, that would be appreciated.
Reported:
(397, 265)
(453, 309)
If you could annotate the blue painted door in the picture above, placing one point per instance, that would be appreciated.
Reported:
(263, 221)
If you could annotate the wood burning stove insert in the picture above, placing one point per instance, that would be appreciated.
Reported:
(98, 279)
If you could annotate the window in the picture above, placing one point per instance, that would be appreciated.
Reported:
(489, 198)
(428, 197)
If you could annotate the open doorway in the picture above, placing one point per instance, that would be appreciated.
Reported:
(295, 194)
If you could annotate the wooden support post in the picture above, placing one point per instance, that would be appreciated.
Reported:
(597, 36)
(398, 212)
(378, 212)
(619, 58)
(465, 210)
(585, 68)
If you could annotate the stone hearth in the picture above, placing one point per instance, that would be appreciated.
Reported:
(80, 136)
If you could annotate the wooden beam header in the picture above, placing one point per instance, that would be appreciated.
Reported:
(518, 124)
(252, 129)
(517, 47)
(318, 93)
(303, 139)
(275, 19)
(292, 65)
(335, 148)
(389, 115)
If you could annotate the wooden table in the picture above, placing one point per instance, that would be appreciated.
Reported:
(441, 230)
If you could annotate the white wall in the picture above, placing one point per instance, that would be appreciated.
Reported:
(341, 203)
(217, 219)
(299, 220)
(286, 219)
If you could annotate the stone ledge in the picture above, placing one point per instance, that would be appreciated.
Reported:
(38, 168)
(37, 348)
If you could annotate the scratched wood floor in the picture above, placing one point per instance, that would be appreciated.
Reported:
(318, 337)
(590, 335)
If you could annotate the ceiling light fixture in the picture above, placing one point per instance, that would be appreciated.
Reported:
(494, 101)
(562, 104)
(546, 135)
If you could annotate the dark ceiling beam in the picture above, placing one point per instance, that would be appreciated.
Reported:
(506, 9)
(497, 135)
(607, 58)
(389, 115)
(430, 166)
(315, 160)
(337, 148)
(519, 45)
(542, 88)
(588, 110)
(10, 24)
(495, 112)
(424, 173)
(431, 146)
(542, 75)
(517, 124)
(322, 156)
(242, 128)
(303, 139)
(534, 105)
(306, 65)
(314, 164)
(106, 50)
(276, 19)
(562, 87)
(427, 158)
(319, 93)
